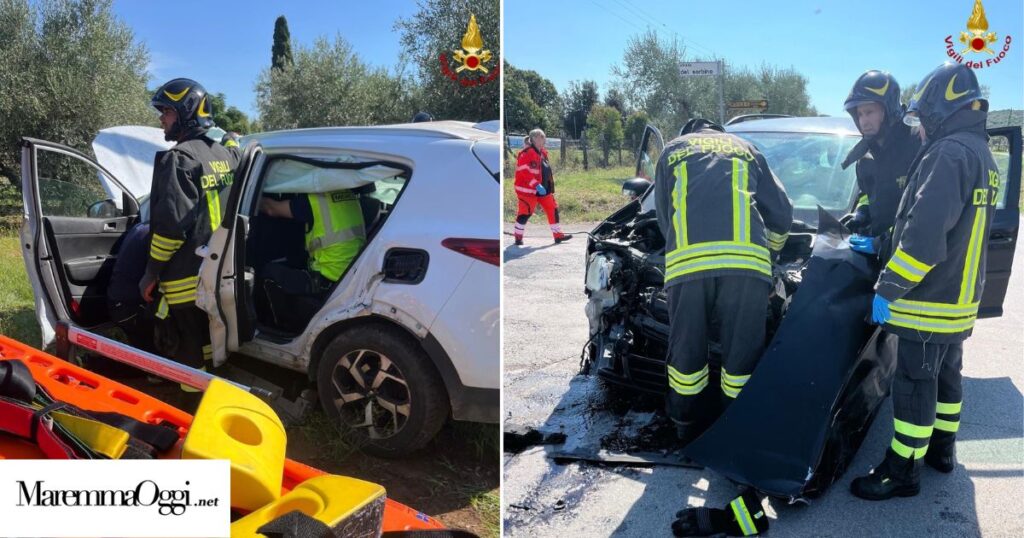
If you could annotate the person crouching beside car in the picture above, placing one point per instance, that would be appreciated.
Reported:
(534, 185)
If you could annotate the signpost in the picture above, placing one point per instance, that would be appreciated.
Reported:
(708, 69)
(759, 103)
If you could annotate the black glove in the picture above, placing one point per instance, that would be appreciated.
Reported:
(742, 517)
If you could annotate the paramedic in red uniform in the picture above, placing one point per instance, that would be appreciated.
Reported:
(535, 185)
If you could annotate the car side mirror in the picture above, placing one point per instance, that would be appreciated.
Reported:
(635, 188)
(104, 209)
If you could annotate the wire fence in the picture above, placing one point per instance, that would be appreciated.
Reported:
(570, 154)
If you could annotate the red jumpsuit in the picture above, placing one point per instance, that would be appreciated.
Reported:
(530, 172)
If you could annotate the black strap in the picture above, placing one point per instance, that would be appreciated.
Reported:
(16, 381)
(159, 437)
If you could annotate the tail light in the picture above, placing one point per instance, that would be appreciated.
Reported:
(485, 250)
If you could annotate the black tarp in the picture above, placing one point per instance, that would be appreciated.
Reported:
(802, 416)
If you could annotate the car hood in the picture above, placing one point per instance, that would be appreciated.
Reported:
(128, 152)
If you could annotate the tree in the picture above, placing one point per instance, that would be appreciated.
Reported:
(227, 117)
(281, 52)
(329, 84)
(650, 79)
(634, 130)
(436, 29)
(68, 68)
(531, 100)
(579, 98)
(604, 129)
(617, 100)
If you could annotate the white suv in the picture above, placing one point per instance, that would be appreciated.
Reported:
(406, 339)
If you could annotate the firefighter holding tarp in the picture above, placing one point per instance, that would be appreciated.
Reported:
(883, 157)
(722, 212)
(929, 290)
(190, 189)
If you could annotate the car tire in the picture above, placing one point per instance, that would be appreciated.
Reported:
(380, 388)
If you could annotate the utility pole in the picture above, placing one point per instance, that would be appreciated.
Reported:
(721, 92)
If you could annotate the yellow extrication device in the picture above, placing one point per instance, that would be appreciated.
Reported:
(348, 506)
(235, 425)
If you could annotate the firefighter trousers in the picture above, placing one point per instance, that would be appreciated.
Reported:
(737, 307)
(926, 395)
(193, 328)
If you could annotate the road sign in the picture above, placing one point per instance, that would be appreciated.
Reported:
(698, 69)
(762, 103)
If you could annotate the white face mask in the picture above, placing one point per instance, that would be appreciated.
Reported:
(911, 120)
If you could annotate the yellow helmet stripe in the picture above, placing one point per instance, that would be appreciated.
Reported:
(950, 94)
(202, 111)
(177, 96)
(878, 91)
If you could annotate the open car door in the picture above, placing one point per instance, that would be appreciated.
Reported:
(75, 213)
(651, 146)
(1005, 143)
(225, 283)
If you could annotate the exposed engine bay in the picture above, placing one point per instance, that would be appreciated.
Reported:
(628, 307)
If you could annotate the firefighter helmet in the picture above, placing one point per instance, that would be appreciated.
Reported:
(876, 87)
(189, 100)
(943, 92)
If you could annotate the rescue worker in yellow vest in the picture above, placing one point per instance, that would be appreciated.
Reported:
(335, 233)
(929, 291)
(191, 182)
(722, 212)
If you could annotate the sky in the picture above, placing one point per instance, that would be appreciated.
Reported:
(225, 45)
(831, 42)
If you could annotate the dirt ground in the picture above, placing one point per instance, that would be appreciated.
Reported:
(455, 478)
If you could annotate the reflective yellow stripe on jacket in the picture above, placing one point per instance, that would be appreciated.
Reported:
(717, 255)
(972, 260)
(738, 253)
(933, 317)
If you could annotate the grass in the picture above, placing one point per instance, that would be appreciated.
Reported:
(583, 195)
(17, 302)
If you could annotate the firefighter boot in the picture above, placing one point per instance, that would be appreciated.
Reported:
(894, 477)
(941, 454)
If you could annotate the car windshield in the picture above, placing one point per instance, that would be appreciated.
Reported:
(809, 166)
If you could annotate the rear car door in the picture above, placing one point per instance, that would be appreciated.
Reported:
(75, 213)
(1005, 144)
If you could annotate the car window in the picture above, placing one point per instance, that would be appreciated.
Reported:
(70, 186)
(1000, 146)
(808, 165)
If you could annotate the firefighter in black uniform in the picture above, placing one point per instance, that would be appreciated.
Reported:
(929, 290)
(191, 182)
(883, 157)
(721, 211)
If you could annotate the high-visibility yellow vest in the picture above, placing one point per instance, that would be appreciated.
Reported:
(337, 233)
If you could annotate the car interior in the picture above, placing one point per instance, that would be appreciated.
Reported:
(278, 313)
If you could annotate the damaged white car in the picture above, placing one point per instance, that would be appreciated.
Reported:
(406, 339)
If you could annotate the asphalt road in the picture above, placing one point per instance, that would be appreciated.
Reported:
(545, 329)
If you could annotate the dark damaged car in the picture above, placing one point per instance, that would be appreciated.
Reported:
(627, 308)
(628, 312)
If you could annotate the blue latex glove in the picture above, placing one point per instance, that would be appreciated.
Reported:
(880, 310)
(862, 244)
(541, 191)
